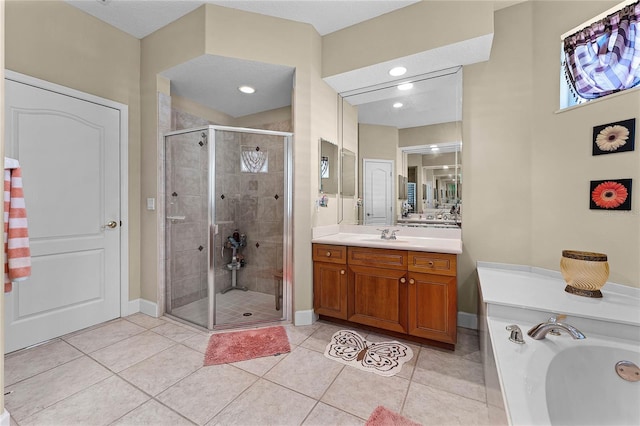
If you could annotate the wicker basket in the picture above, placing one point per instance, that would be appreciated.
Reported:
(584, 272)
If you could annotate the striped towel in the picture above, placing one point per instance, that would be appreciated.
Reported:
(17, 259)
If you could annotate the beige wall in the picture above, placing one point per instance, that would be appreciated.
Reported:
(434, 133)
(325, 124)
(526, 167)
(176, 43)
(422, 26)
(561, 158)
(58, 43)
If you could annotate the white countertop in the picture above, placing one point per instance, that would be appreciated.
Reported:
(543, 290)
(438, 240)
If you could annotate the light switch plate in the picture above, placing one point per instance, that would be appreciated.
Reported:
(151, 203)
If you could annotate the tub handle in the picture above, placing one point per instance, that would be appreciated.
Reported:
(516, 334)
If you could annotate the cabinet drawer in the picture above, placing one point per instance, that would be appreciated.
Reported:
(433, 263)
(379, 258)
(329, 253)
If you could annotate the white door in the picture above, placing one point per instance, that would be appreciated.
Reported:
(69, 152)
(378, 192)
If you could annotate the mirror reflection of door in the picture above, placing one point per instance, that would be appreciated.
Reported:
(378, 192)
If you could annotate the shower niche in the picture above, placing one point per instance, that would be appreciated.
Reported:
(227, 225)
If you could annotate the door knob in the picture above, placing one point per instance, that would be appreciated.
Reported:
(403, 280)
(111, 224)
(342, 272)
(412, 281)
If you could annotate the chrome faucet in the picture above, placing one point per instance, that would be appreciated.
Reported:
(385, 234)
(552, 326)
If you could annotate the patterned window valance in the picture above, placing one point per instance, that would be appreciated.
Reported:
(604, 57)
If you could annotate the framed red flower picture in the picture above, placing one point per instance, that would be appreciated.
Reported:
(610, 194)
(614, 137)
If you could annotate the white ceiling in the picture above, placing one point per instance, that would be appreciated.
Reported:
(213, 80)
(142, 17)
(434, 98)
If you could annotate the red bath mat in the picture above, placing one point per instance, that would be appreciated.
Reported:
(382, 416)
(237, 346)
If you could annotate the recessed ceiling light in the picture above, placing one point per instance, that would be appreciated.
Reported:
(247, 89)
(445, 167)
(397, 105)
(397, 71)
(434, 148)
(405, 86)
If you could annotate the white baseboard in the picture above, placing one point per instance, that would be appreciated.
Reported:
(149, 308)
(132, 307)
(5, 418)
(305, 317)
(468, 320)
(141, 305)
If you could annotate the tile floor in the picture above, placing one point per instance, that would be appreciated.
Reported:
(230, 308)
(141, 370)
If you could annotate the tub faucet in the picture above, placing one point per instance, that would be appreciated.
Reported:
(552, 325)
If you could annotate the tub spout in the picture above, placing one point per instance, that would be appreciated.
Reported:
(540, 331)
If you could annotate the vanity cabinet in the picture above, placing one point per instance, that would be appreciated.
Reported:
(433, 303)
(405, 292)
(330, 280)
(377, 288)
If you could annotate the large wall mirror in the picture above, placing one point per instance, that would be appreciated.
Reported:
(414, 126)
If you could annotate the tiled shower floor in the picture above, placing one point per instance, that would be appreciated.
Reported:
(231, 307)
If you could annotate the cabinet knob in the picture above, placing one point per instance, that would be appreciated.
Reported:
(328, 254)
(342, 272)
(403, 280)
(430, 263)
(412, 281)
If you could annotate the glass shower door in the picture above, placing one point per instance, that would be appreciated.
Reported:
(250, 200)
(187, 215)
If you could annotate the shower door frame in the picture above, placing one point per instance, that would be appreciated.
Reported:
(287, 255)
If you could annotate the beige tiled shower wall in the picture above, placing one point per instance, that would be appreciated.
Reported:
(253, 203)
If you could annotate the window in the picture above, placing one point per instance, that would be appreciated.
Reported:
(602, 57)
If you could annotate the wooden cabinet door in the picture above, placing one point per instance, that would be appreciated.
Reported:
(378, 297)
(433, 306)
(330, 289)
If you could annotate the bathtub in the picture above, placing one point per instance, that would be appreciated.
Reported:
(557, 380)
(561, 381)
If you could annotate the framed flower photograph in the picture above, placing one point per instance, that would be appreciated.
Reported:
(614, 137)
(610, 194)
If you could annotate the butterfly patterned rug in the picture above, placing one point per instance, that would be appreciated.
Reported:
(383, 358)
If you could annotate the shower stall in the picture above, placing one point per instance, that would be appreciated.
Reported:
(227, 231)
